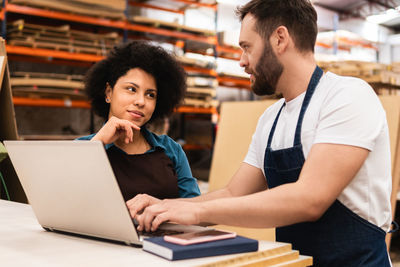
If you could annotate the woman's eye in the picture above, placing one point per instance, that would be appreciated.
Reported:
(152, 95)
(133, 89)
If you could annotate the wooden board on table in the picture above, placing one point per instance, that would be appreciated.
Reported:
(280, 254)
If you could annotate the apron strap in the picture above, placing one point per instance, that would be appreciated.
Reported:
(317, 74)
(271, 133)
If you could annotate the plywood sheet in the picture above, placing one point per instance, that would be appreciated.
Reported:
(237, 124)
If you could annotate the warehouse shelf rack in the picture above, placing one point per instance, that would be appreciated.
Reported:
(50, 102)
(118, 24)
(177, 38)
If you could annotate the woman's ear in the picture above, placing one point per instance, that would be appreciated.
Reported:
(108, 93)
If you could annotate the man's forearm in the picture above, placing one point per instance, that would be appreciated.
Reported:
(220, 193)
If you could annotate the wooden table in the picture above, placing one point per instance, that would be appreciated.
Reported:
(23, 242)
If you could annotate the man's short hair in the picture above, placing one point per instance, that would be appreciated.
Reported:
(298, 16)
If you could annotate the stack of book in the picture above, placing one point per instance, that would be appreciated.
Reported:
(267, 254)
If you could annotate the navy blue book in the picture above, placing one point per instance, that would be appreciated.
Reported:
(170, 251)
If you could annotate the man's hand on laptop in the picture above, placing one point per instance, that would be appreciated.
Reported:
(115, 129)
(173, 210)
(137, 204)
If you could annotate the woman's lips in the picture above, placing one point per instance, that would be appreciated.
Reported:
(136, 114)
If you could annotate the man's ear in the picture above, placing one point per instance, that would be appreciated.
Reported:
(280, 39)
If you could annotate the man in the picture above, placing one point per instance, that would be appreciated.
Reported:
(318, 167)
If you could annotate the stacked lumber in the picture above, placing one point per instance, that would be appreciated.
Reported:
(97, 8)
(385, 79)
(274, 254)
(201, 92)
(194, 62)
(170, 25)
(61, 38)
(47, 85)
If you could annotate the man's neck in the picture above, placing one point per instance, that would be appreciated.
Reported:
(296, 77)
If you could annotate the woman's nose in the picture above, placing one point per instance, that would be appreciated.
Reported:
(139, 100)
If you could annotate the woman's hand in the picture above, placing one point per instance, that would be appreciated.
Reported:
(137, 204)
(116, 129)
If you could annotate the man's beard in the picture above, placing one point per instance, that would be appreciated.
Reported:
(267, 73)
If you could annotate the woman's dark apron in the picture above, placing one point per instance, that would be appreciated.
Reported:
(339, 237)
(152, 173)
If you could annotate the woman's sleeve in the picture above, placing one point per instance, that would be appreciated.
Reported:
(186, 182)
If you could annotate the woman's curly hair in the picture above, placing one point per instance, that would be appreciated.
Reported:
(169, 76)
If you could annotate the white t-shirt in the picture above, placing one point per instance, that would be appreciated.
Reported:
(343, 110)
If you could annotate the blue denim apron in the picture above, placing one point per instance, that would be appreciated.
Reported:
(340, 237)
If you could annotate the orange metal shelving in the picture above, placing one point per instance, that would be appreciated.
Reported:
(210, 72)
(195, 147)
(67, 103)
(108, 23)
(49, 102)
(234, 82)
(199, 110)
(40, 52)
(64, 16)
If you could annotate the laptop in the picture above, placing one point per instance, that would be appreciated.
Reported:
(72, 188)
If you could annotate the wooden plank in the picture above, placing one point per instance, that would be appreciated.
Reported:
(271, 260)
(61, 40)
(57, 47)
(201, 91)
(238, 121)
(277, 249)
(60, 31)
(195, 62)
(302, 261)
(43, 82)
(198, 81)
(391, 104)
(60, 76)
(74, 7)
(170, 25)
(37, 93)
(201, 103)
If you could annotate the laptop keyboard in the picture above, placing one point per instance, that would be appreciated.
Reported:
(158, 232)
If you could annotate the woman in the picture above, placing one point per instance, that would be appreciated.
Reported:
(136, 84)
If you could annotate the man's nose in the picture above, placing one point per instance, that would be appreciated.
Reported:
(244, 62)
